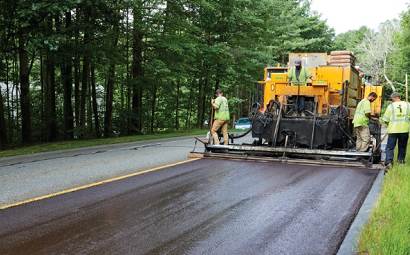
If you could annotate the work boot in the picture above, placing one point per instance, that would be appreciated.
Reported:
(387, 168)
(302, 114)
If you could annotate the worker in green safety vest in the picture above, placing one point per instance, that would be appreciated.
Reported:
(361, 122)
(299, 76)
(221, 119)
(397, 117)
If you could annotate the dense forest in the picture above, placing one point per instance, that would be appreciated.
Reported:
(78, 69)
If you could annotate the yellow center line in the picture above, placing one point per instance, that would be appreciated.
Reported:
(34, 199)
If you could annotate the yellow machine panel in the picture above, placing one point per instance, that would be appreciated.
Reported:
(377, 104)
(331, 86)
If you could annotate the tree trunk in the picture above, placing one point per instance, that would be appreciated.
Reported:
(25, 102)
(77, 75)
(50, 99)
(66, 73)
(3, 127)
(77, 95)
(67, 94)
(90, 124)
(49, 86)
(189, 108)
(205, 102)
(109, 91)
(83, 94)
(43, 131)
(15, 103)
(85, 77)
(153, 108)
(177, 107)
(200, 104)
(94, 103)
(127, 48)
(9, 110)
(136, 69)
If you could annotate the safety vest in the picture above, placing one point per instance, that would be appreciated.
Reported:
(397, 116)
(302, 79)
(360, 118)
(222, 112)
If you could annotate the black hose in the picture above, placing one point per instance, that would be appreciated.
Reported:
(346, 134)
(232, 136)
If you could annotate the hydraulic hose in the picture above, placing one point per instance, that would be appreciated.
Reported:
(232, 136)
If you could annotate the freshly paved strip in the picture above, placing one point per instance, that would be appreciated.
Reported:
(201, 207)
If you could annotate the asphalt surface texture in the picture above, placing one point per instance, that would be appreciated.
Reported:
(24, 177)
(201, 207)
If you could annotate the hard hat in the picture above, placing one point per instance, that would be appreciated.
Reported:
(395, 94)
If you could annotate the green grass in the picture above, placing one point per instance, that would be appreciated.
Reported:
(388, 230)
(66, 145)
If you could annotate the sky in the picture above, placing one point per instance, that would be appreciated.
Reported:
(345, 15)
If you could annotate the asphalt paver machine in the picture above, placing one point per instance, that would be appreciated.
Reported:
(323, 133)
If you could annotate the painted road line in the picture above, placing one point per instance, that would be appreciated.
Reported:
(6, 206)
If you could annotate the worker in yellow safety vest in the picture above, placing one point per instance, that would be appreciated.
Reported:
(299, 76)
(221, 119)
(361, 122)
(397, 117)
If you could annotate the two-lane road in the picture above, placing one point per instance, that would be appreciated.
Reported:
(200, 207)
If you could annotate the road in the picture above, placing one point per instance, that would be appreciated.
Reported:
(23, 177)
(201, 207)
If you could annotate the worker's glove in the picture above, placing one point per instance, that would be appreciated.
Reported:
(212, 101)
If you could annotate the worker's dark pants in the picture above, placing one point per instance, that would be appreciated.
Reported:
(300, 104)
(401, 139)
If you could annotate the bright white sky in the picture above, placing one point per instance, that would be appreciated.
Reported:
(345, 15)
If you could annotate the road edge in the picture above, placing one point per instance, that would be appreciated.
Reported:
(95, 147)
(349, 244)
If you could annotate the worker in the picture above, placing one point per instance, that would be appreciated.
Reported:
(299, 76)
(361, 122)
(221, 119)
(397, 116)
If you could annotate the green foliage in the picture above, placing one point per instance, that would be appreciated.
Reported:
(400, 58)
(188, 49)
(350, 40)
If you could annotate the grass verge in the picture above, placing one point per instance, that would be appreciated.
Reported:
(66, 145)
(388, 230)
